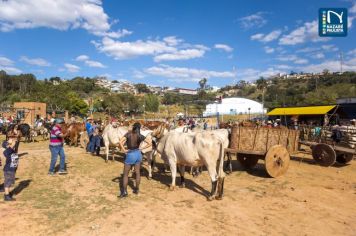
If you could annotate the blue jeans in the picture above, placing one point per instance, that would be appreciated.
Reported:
(94, 144)
(90, 144)
(55, 151)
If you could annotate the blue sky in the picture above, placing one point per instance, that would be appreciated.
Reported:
(170, 42)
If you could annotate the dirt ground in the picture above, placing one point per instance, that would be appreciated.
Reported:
(307, 200)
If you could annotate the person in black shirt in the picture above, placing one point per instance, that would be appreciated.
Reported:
(133, 140)
(10, 167)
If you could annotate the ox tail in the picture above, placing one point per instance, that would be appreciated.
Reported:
(221, 174)
(220, 170)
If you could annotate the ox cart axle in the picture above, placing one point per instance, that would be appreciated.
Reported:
(273, 145)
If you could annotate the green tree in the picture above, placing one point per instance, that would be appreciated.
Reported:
(151, 103)
(142, 88)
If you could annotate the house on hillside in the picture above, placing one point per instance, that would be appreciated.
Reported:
(186, 91)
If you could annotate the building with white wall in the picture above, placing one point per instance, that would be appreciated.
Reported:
(234, 106)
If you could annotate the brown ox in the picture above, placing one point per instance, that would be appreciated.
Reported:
(74, 131)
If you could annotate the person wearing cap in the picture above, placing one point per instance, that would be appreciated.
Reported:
(56, 148)
(10, 167)
(133, 140)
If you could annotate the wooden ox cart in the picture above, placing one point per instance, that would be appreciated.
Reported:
(273, 145)
(325, 151)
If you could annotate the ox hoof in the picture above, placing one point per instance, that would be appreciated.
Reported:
(182, 185)
(149, 177)
(219, 198)
(171, 188)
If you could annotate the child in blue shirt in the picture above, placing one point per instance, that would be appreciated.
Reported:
(10, 167)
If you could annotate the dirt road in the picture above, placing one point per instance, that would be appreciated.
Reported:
(308, 200)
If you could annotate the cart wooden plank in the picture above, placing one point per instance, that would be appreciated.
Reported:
(236, 151)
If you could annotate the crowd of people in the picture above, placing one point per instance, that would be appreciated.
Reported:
(129, 144)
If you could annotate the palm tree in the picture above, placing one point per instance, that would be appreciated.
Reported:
(202, 83)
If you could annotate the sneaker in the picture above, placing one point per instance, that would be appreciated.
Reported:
(51, 173)
(136, 191)
(62, 172)
(123, 195)
(9, 198)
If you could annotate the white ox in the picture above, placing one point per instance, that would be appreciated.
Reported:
(111, 137)
(196, 149)
(147, 150)
(113, 134)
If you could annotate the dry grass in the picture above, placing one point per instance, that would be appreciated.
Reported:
(308, 200)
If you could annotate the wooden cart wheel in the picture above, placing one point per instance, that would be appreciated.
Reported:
(277, 161)
(344, 158)
(324, 154)
(247, 161)
(84, 140)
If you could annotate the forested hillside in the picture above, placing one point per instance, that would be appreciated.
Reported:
(317, 90)
(80, 94)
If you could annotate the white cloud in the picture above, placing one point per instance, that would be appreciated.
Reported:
(5, 61)
(331, 65)
(265, 38)
(283, 67)
(329, 48)
(318, 55)
(353, 8)
(82, 58)
(256, 20)
(257, 36)
(8, 65)
(161, 50)
(269, 49)
(96, 64)
(251, 74)
(301, 61)
(10, 69)
(352, 52)
(60, 15)
(172, 40)
(308, 49)
(181, 74)
(125, 50)
(90, 63)
(115, 34)
(305, 33)
(71, 68)
(287, 58)
(137, 74)
(292, 58)
(223, 47)
(185, 54)
(35, 61)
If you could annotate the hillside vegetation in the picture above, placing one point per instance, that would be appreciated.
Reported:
(278, 92)
(81, 94)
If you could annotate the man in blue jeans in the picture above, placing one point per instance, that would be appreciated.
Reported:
(56, 148)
